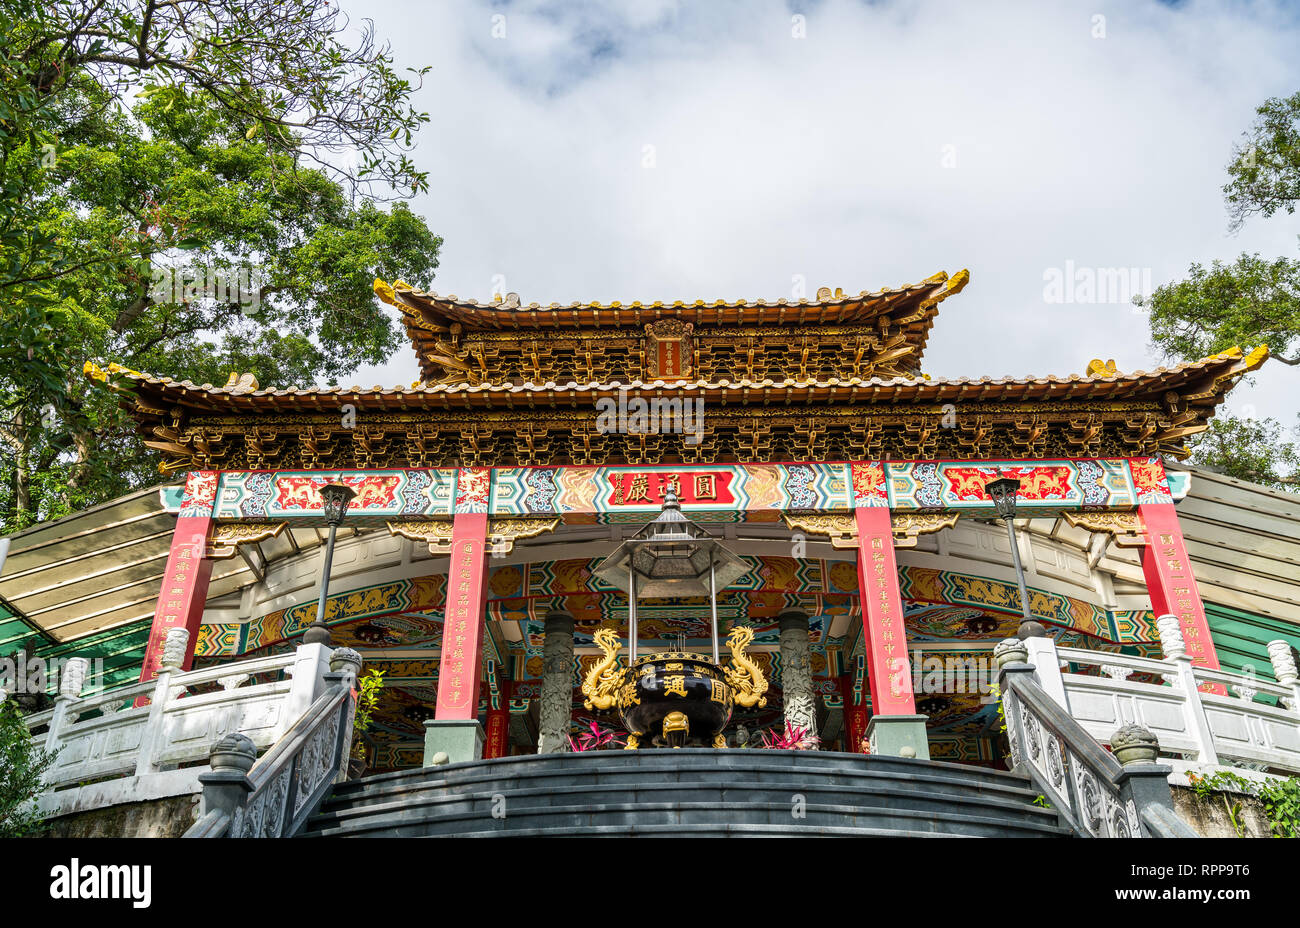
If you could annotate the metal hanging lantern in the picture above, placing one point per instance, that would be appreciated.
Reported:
(674, 696)
(334, 501)
(671, 557)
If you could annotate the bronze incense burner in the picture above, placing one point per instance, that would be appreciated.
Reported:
(675, 698)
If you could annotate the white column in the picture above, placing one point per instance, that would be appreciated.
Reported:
(72, 678)
(1184, 678)
(1284, 668)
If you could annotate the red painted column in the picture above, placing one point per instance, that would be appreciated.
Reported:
(463, 620)
(497, 739)
(855, 715)
(184, 590)
(888, 669)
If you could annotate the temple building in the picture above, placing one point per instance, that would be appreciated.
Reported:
(875, 576)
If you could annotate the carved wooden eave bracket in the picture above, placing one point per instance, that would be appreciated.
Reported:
(501, 533)
(436, 534)
(841, 528)
(1126, 527)
(843, 532)
(911, 525)
(228, 536)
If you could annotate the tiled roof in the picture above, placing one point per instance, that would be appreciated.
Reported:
(911, 306)
(1206, 380)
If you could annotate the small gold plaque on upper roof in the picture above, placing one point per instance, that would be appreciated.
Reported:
(668, 349)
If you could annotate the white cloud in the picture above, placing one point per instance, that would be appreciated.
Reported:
(825, 156)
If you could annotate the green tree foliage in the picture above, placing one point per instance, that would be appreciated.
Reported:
(144, 145)
(22, 763)
(1258, 450)
(1265, 170)
(1249, 302)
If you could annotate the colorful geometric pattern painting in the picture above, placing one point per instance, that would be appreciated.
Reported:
(640, 490)
(380, 493)
(612, 494)
(410, 595)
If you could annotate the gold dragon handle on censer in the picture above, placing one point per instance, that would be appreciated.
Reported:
(743, 675)
(600, 688)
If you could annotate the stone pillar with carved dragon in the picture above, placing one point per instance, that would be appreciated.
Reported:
(895, 727)
(184, 590)
(557, 684)
(797, 696)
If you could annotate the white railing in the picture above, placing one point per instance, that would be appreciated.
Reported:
(158, 747)
(1098, 795)
(274, 797)
(1209, 717)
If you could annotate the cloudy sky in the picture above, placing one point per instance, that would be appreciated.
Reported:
(651, 149)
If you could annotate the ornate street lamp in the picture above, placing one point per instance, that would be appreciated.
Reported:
(335, 497)
(1003, 492)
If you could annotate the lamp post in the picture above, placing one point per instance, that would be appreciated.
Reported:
(335, 497)
(1003, 492)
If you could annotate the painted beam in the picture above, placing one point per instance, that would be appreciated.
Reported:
(632, 493)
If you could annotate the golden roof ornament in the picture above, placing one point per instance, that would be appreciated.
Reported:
(240, 383)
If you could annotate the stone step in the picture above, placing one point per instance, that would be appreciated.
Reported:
(685, 818)
(690, 791)
(448, 802)
(706, 757)
(560, 771)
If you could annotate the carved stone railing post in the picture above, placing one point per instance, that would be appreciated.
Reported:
(1145, 782)
(1284, 668)
(72, 679)
(155, 733)
(346, 663)
(1010, 656)
(226, 786)
(1184, 678)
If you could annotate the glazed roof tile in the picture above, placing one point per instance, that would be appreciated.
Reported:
(427, 315)
(1208, 378)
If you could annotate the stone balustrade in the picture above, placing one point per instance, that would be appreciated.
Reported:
(1255, 724)
(150, 740)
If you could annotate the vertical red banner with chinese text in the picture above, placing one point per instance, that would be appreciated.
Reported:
(497, 737)
(184, 590)
(888, 669)
(1172, 584)
(855, 716)
(462, 628)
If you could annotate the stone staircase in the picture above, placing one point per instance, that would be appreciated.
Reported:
(697, 792)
